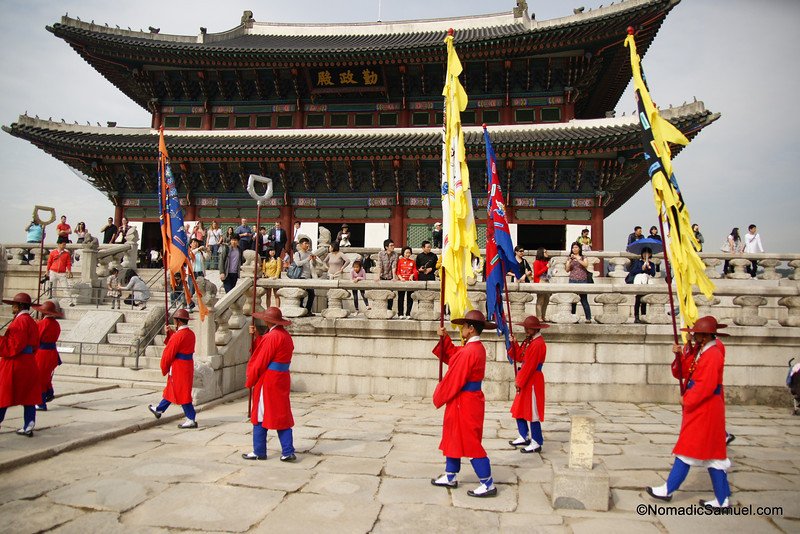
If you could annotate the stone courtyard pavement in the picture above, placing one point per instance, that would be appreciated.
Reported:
(364, 465)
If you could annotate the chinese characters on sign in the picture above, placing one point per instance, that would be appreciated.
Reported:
(355, 77)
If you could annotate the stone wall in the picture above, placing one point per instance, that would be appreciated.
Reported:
(629, 363)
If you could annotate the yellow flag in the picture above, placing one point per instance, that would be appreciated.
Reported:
(459, 234)
(688, 269)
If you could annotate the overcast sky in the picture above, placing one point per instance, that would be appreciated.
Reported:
(738, 56)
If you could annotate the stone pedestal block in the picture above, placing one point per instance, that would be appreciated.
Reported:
(581, 489)
(795, 265)
(620, 267)
(518, 302)
(793, 317)
(291, 301)
(711, 267)
(205, 385)
(379, 302)
(705, 306)
(740, 266)
(611, 310)
(655, 309)
(563, 304)
(335, 309)
(748, 316)
(769, 269)
(558, 270)
(425, 309)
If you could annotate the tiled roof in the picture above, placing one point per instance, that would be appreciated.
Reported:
(134, 143)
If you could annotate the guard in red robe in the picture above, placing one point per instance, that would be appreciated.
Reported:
(460, 393)
(19, 375)
(528, 404)
(268, 375)
(177, 363)
(47, 358)
(701, 441)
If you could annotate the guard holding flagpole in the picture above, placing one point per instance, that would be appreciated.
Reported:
(268, 375)
(47, 358)
(528, 404)
(177, 363)
(19, 376)
(460, 392)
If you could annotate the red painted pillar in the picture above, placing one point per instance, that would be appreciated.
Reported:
(191, 212)
(597, 228)
(397, 227)
(118, 214)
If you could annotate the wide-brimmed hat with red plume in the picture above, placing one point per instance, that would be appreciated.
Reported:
(272, 315)
(49, 308)
(181, 314)
(532, 321)
(19, 298)
(474, 317)
(706, 325)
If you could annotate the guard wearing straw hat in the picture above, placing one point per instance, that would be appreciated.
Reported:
(528, 404)
(268, 375)
(701, 442)
(47, 358)
(177, 362)
(460, 393)
(19, 375)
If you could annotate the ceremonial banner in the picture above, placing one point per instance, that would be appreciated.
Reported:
(173, 235)
(459, 235)
(500, 258)
(657, 133)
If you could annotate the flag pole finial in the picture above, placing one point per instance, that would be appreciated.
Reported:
(631, 31)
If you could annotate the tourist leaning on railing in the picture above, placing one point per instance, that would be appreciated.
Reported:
(578, 268)
(406, 272)
(271, 268)
(541, 266)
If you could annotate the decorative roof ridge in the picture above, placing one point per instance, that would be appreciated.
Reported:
(467, 22)
(677, 112)
(602, 11)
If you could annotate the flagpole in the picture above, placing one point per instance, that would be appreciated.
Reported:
(41, 254)
(668, 274)
(508, 312)
(441, 322)
(164, 220)
(253, 312)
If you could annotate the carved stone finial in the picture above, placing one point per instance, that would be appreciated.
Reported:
(247, 17)
(521, 10)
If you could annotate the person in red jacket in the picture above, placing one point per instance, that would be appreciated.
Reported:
(268, 375)
(529, 402)
(47, 358)
(406, 272)
(19, 376)
(59, 268)
(701, 441)
(460, 391)
(177, 364)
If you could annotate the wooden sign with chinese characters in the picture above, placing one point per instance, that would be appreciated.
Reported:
(357, 78)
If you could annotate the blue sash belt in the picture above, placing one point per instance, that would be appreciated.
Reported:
(47, 346)
(718, 389)
(183, 356)
(539, 367)
(29, 349)
(276, 366)
(472, 386)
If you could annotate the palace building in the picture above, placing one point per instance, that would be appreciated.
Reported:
(347, 120)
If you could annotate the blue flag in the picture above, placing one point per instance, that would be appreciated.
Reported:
(500, 258)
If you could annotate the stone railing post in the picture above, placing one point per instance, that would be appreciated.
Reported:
(207, 329)
(478, 299)
(793, 306)
(3, 269)
(612, 314)
(656, 304)
(518, 301)
(291, 301)
(89, 260)
(769, 266)
(620, 267)
(558, 270)
(129, 260)
(222, 335)
(748, 315)
(379, 302)
(425, 309)
(795, 266)
(238, 319)
(19, 256)
(335, 310)
(563, 303)
(740, 266)
(711, 268)
(659, 262)
(706, 306)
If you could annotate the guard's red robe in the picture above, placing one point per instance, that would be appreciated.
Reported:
(530, 380)
(47, 359)
(463, 414)
(702, 434)
(180, 371)
(271, 386)
(19, 375)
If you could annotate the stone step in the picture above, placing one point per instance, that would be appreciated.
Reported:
(98, 359)
(152, 376)
(154, 351)
(122, 339)
(128, 328)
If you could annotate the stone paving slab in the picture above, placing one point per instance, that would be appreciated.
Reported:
(103, 523)
(404, 518)
(106, 494)
(308, 512)
(28, 517)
